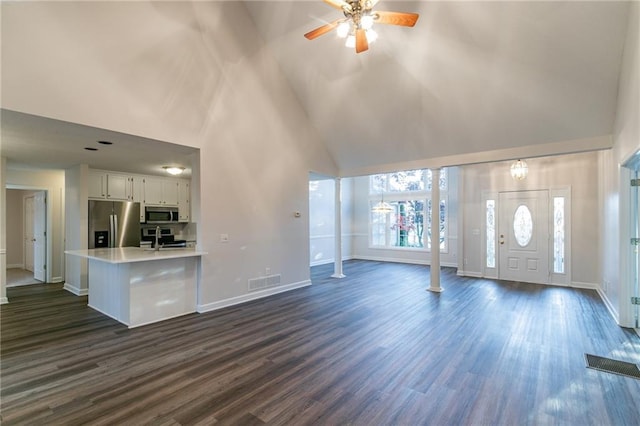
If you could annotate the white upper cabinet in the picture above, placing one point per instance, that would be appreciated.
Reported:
(110, 186)
(160, 191)
(146, 190)
(119, 187)
(138, 194)
(97, 184)
(184, 197)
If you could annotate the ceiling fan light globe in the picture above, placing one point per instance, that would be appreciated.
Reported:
(343, 29)
(371, 36)
(366, 22)
(350, 42)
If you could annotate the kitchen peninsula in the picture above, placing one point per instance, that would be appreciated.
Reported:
(138, 286)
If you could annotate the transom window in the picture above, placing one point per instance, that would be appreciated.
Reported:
(408, 223)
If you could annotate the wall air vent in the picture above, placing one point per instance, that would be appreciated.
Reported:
(261, 283)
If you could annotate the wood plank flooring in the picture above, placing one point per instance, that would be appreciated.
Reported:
(374, 348)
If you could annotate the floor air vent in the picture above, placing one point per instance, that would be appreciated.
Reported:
(261, 283)
(612, 366)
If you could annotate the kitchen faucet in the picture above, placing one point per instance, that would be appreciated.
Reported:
(157, 245)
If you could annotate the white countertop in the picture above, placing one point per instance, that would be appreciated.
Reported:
(133, 254)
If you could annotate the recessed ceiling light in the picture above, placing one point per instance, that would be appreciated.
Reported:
(105, 142)
(89, 148)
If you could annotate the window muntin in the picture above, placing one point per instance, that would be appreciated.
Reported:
(407, 193)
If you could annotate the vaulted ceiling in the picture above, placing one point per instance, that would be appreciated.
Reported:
(472, 81)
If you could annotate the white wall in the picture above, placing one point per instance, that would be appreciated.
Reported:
(192, 73)
(615, 183)
(51, 181)
(3, 230)
(322, 220)
(577, 171)
(361, 248)
(76, 228)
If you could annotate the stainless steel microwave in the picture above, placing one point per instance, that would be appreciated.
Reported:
(154, 214)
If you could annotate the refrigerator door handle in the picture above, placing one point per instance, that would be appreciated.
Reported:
(113, 230)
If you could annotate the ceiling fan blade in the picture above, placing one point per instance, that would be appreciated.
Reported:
(396, 18)
(361, 41)
(339, 4)
(322, 30)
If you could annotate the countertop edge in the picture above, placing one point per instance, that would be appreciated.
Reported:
(133, 254)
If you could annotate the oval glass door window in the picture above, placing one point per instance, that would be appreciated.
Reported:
(523, 225)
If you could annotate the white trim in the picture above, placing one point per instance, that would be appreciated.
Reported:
(3, 300)
(55, 280)
(15, 266)
(208, 307)
(609, 305)
(578, 284)
(402, 260)
(462, 273)
(77, 291)
(327, 261)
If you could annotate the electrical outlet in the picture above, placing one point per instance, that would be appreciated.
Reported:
(224, 238)
(267, 271)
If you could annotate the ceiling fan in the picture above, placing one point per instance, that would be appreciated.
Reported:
(357, 24)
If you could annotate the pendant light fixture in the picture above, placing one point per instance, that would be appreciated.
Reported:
(519, 170)
(382, 207)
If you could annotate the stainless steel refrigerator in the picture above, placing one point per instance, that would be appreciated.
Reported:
(114, 224)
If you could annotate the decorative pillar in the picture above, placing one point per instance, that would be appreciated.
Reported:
(435, 231)
(337, 263)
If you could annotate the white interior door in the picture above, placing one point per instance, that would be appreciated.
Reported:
(29, 237)
(40, 236)
(524, 236)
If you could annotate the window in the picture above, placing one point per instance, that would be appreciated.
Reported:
(523, 225)
(491, 233)
(558, 235)
(408, 223)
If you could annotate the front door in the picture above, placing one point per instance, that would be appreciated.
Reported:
(524, 236)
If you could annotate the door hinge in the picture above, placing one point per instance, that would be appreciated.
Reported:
(44, 267)
(635, 182)
(635, 300)
(635, 241)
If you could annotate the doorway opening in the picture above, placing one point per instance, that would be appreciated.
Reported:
(26, 219)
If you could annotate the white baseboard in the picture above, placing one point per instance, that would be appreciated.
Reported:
(327, 261)
(577, 284)
(15, 266)
(75, 290)
(56, 280)
(609, 305)
(402, 260)
(462, 273)
(3, 300)
(208, 307)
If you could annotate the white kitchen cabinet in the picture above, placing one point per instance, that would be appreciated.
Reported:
(160, 191)
(138, 194)
(97, 184)
(184, 198)
(119, 187)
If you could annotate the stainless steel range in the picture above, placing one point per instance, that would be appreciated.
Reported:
(165, 238)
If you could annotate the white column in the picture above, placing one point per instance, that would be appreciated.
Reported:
(337, 263)
(435, 231)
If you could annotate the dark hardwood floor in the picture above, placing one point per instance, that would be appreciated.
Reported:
(374, 348)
